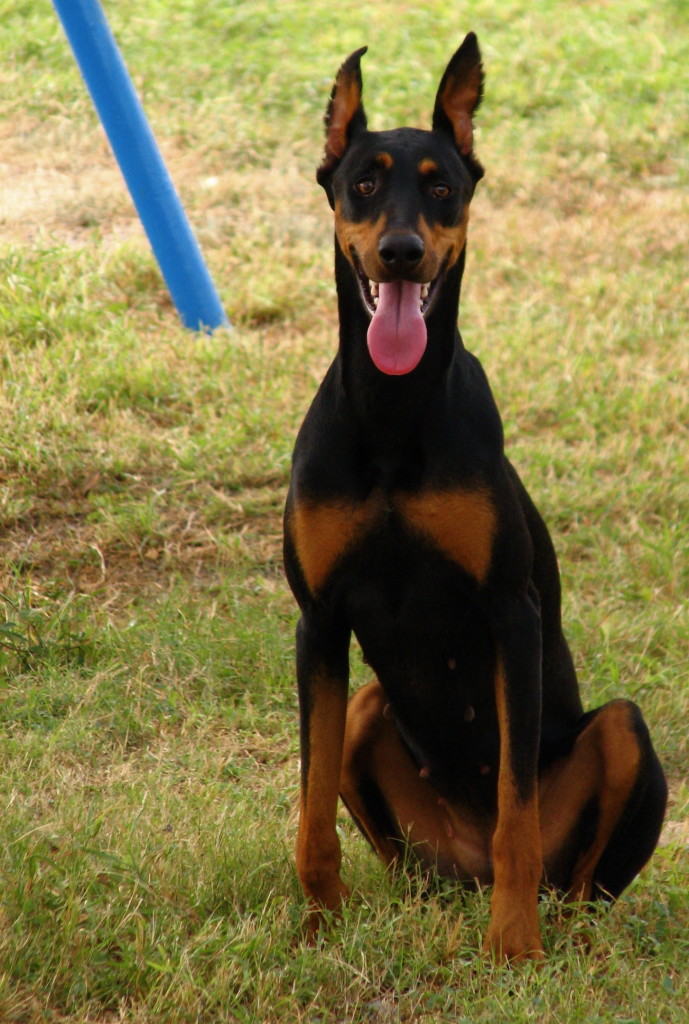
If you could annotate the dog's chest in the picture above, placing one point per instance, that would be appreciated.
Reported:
(410, 605)
(373, 537)
(422, 627)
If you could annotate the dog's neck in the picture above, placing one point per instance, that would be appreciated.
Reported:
(392, 408)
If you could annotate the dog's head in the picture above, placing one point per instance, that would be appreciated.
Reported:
(401, 201)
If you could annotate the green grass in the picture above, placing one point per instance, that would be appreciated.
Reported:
(148, 718)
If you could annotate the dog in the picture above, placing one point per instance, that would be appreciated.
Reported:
(470, 753)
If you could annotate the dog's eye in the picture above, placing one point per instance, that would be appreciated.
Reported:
(365, 187)
(441, 190)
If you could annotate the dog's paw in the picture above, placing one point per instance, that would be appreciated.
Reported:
(512, 942)
(323, 912)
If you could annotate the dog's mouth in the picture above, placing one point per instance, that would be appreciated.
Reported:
(370, 290)
(397, 334)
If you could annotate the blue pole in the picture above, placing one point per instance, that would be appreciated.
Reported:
(141, 163)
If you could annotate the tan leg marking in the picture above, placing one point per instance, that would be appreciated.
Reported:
(442, 836)
(514, 931)
(318, 847)
(604, 764)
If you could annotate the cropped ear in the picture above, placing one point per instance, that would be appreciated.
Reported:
(344, 117)
(459, 94)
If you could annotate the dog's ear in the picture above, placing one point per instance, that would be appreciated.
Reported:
(459, 94)
(344, 118)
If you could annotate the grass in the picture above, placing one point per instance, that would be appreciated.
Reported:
(148, 713)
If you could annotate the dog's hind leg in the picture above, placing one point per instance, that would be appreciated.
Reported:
(602, 806)
(396, 807)
(360, 789)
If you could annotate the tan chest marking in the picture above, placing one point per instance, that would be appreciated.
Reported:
(323, 532)
(461, 523)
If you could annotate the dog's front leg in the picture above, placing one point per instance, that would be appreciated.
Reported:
(322, 673)
(514, 931)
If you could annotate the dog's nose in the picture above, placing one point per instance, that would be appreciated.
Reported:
(401, 251)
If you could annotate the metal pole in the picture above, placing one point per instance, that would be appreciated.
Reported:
(141, 163)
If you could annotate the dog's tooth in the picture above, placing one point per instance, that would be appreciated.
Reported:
(424, 290)
(373, 288)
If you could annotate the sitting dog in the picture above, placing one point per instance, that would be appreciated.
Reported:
(406, 525)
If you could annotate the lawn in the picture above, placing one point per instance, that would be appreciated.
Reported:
(148, 715)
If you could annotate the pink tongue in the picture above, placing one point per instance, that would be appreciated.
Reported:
(397, 332)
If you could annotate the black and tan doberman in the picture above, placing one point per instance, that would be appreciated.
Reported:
(406, 525)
